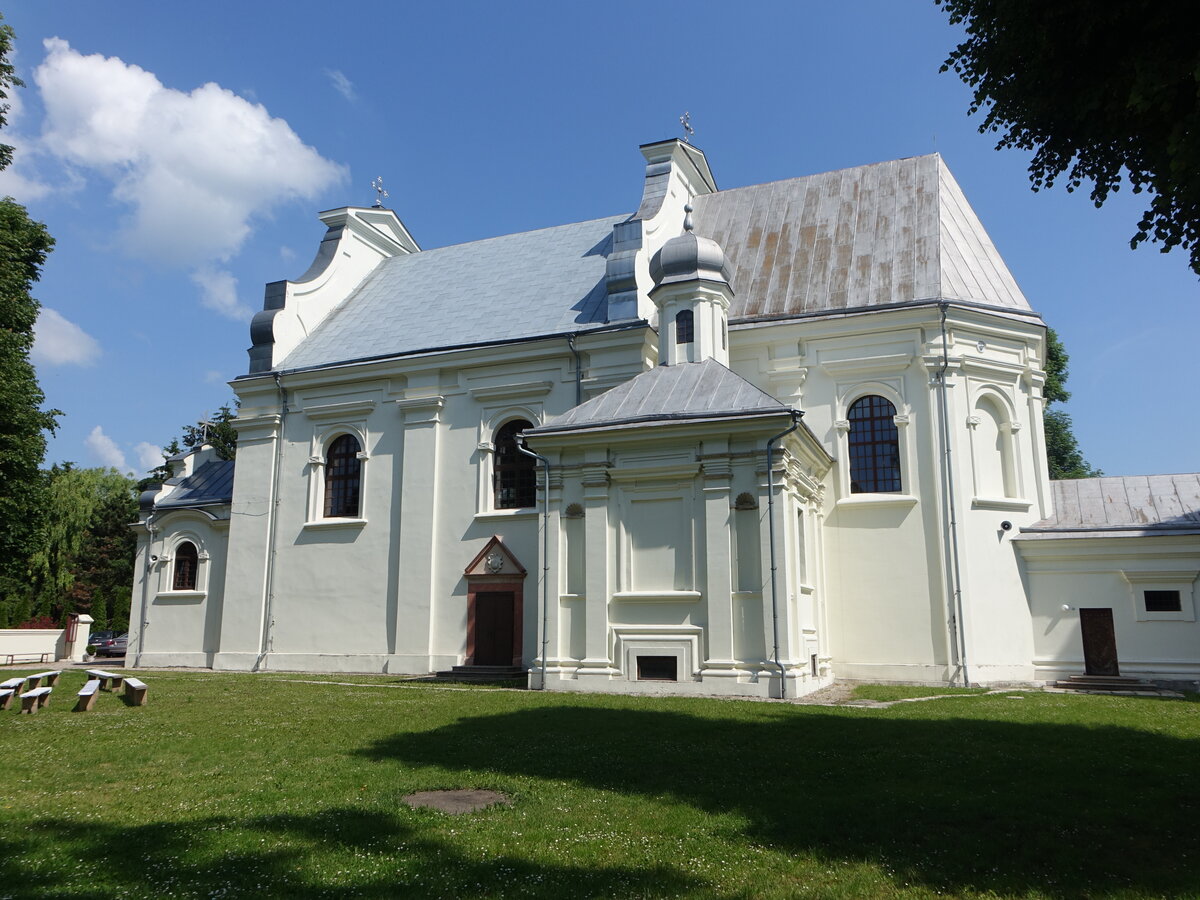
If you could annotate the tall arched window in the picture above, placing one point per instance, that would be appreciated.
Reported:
(514, 475)
(685, 327)
(343, 478)
(874, 446)
(187, 563)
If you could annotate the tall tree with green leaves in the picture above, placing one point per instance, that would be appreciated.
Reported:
(1062, 448)
(1100, 92)
(24, 244)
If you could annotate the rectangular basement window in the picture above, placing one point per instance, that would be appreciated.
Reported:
(657, 668)
(1163, 601)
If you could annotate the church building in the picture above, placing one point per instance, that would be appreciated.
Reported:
(737, 442)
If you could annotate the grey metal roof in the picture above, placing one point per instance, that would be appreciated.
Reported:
(209, 485)
(892, 232)
(703, 390)
(517, 286)
(1130, 504)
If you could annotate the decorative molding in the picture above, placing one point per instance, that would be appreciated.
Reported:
(512, 391)
(866, 365)
(354, 409)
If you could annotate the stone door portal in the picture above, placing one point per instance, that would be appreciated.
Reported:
(495, 607)
(1099, 642)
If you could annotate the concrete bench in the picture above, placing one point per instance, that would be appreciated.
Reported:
(13, 684)
(87, 695)
(32, 701)
(108, 680)
(6, 695)
(135, 692)
(51, 679)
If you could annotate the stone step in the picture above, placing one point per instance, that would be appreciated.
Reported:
(1107, 683)
(481, 673)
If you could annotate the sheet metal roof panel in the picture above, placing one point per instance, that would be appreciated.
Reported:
(684, 391)
(1130, 503)
(891, 232)
(210, 484)
(504, 288)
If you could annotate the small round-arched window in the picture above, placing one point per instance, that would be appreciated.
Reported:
(514, 474)
(187, 564)
(685, 327)
(343, 478)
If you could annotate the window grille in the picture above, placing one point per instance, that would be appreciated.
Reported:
(514, 475)
(874, 447)
(343, 478)
(187, 561)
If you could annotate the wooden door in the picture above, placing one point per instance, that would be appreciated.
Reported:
(1099, 642)
(494, 628)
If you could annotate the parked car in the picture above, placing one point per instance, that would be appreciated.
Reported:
(113, 646)
(96, 638)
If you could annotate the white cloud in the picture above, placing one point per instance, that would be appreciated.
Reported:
(20, 180)
(218, 290)
(195, 169)
(105, 450)
(60, 342)
(342, 84)
(148, 455)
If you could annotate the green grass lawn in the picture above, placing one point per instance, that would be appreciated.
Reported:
(239, 785)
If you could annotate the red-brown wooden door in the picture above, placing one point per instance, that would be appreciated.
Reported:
(1099, 642)
(494, 628)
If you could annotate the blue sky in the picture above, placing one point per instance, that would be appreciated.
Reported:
(179, 158)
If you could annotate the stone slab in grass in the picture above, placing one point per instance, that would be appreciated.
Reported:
(455, 802)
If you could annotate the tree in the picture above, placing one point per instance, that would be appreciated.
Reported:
(85, 560)
(24, 244)
(1095, 90)
(1063, 455)
(217, 431)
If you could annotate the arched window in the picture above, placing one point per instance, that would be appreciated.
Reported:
(514, 475)
(343, 478)
(874, 446)
(685, 328)
(187, 562)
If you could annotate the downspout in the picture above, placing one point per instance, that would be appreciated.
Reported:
(958, 642)
(137, 660)
(545, 553)
(578, 370)
(796, 414)
(272, 520)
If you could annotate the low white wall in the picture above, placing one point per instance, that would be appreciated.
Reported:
(24, 642)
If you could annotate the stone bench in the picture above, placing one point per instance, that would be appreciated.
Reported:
(51, 679)
(135, 691)
(32, 701)
(13, 684)
(108, 680)
(87, 695)
(6, 695)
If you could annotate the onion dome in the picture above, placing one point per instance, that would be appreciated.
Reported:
(689, 257)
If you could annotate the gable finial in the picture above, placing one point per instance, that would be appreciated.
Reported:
(686, 121)
(380, 193)
(687, 217)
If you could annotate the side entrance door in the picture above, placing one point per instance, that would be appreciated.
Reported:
(1099, 642)
(494, 628)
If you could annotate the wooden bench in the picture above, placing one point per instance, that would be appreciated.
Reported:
(135, 691)
(32, 701)
(108, 680)
(87, 695)
(6, 695)
(36, 680)
(14, 658)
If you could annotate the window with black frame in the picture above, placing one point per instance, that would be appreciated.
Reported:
(874, 444)
(343, 478)
(514, 474)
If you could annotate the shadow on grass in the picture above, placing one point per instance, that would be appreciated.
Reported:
(206, 858)
(954, 805)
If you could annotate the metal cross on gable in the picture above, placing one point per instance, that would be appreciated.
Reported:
(380, 193)
(686, 121)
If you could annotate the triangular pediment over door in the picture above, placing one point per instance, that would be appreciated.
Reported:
(494, 560)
